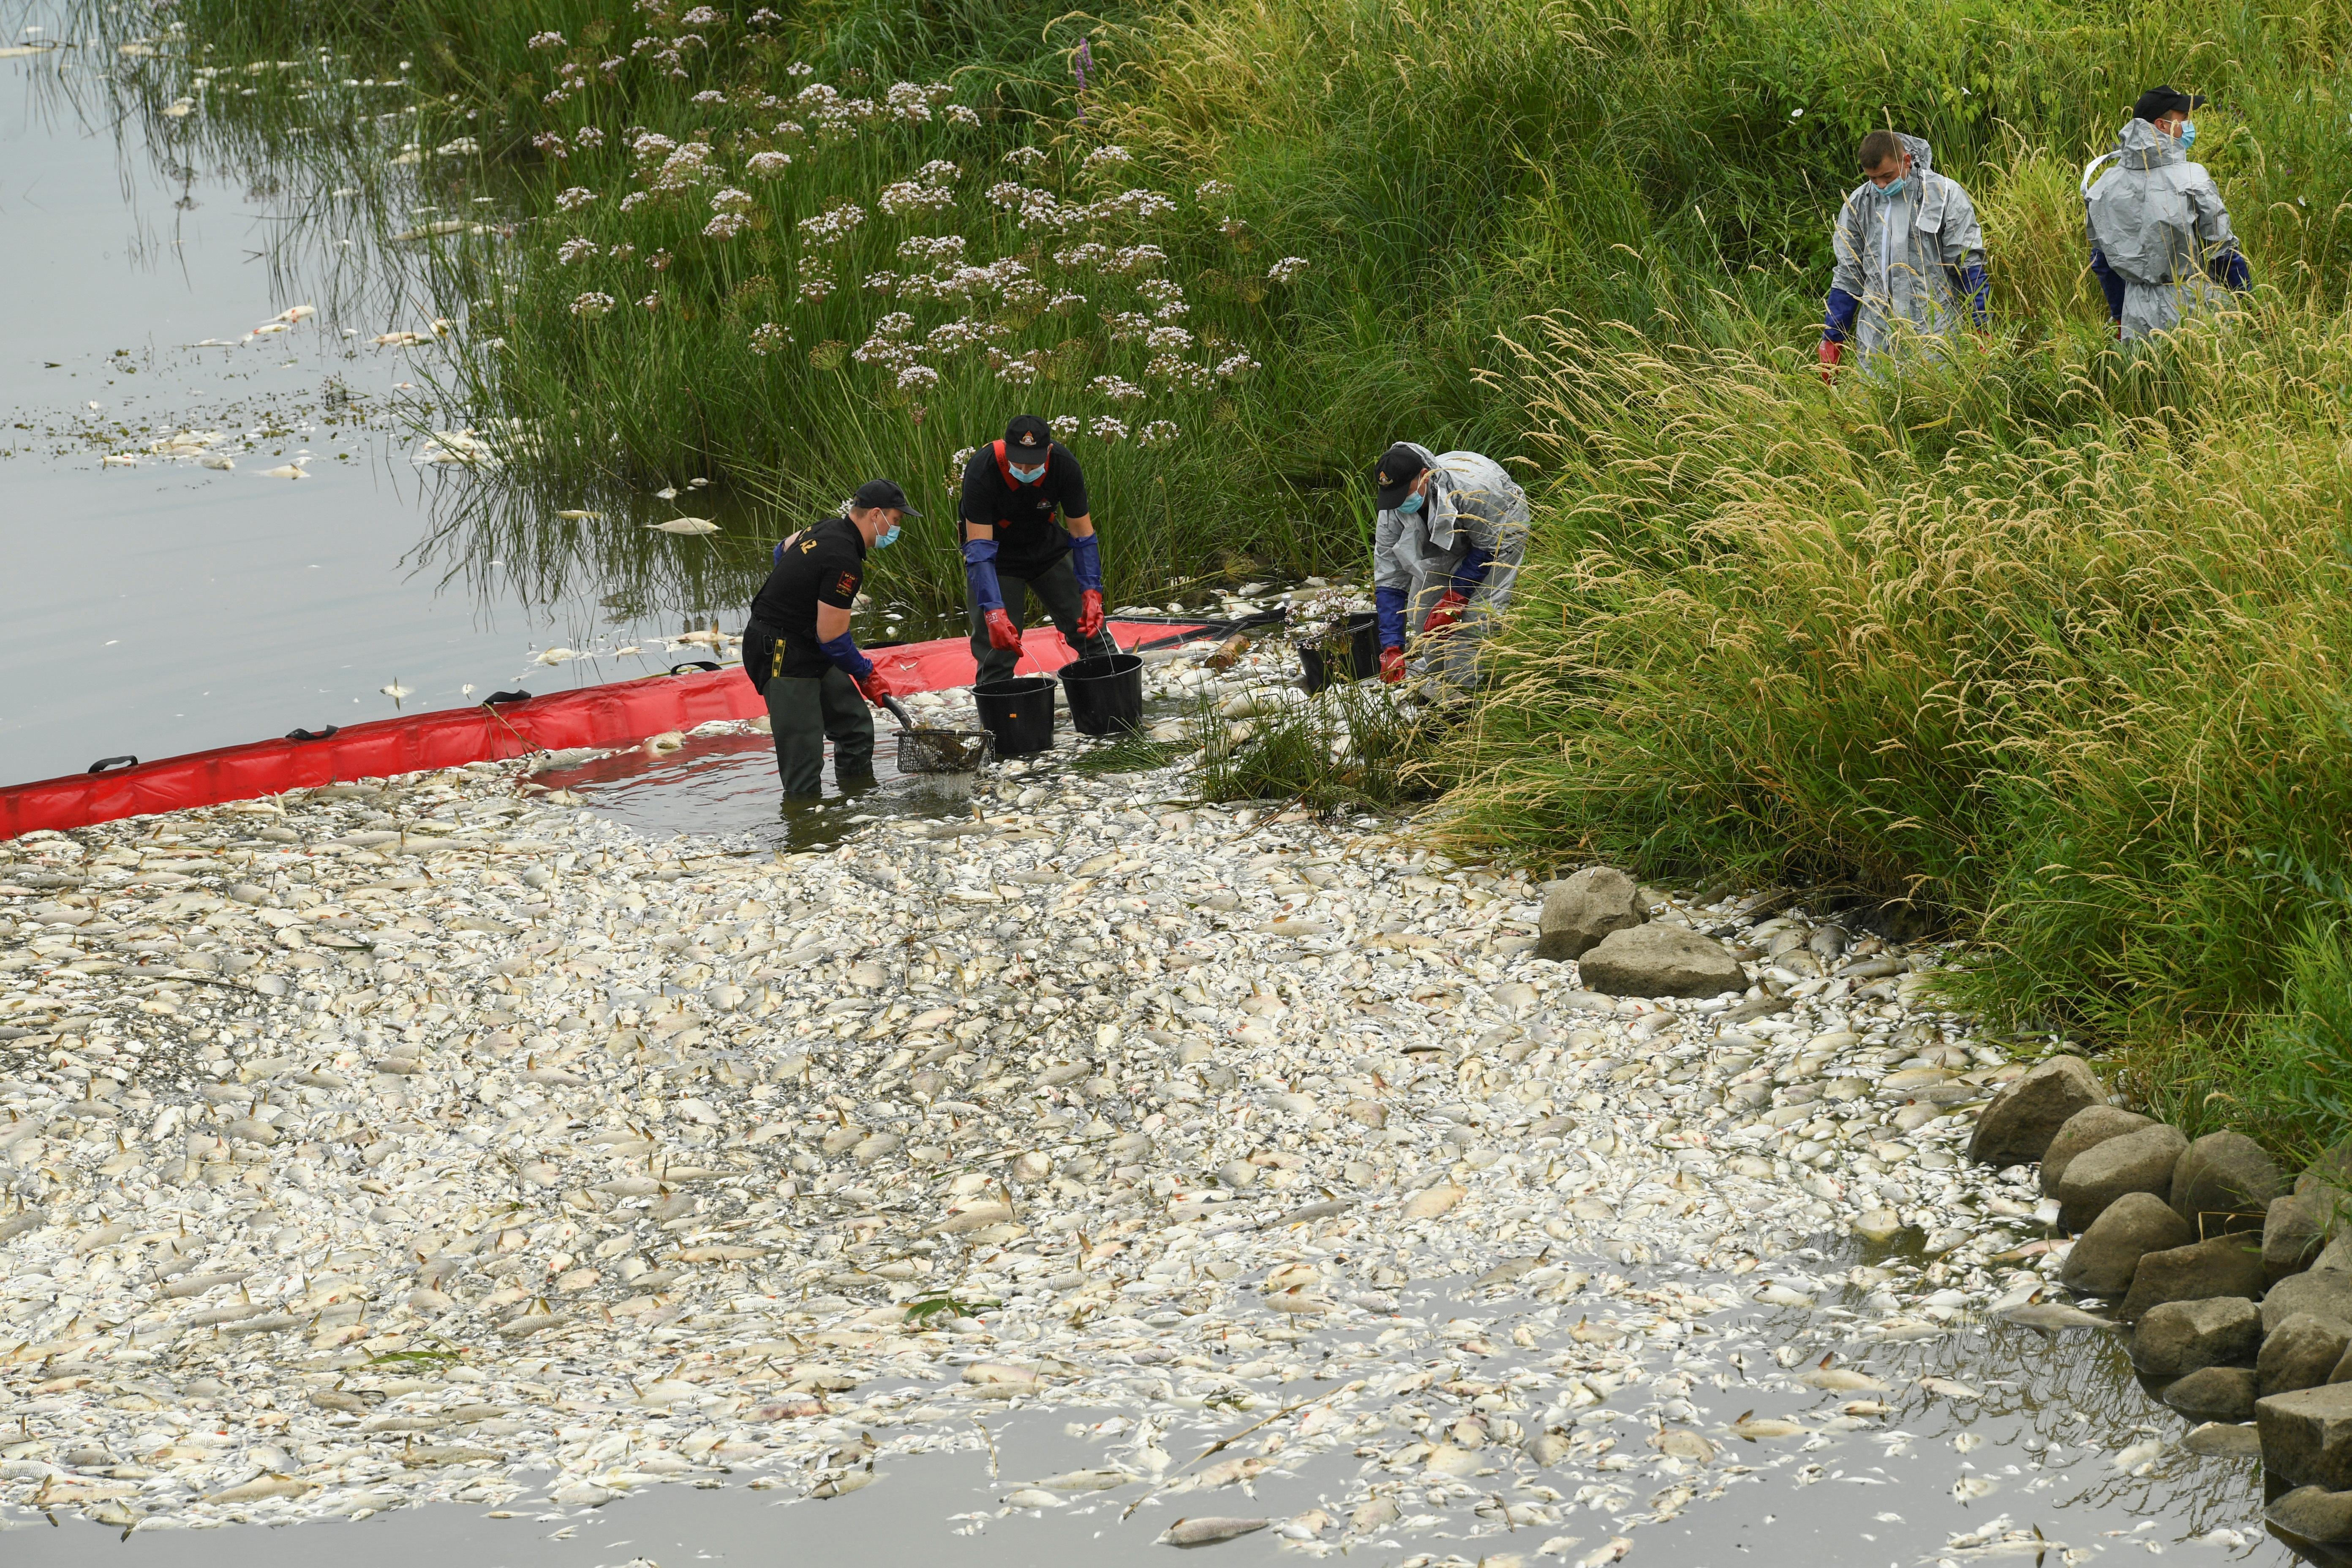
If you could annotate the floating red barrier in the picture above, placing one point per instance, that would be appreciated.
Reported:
(617, 713)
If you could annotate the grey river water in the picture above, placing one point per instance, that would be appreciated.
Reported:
(163, 607)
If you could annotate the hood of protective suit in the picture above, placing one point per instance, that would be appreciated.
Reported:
(1933, 191)
(2141, 145)
(1922, 157)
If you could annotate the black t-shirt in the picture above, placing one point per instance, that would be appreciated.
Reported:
(1028, 538)
(822, 564)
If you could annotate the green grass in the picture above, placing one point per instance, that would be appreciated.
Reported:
(1347, 747)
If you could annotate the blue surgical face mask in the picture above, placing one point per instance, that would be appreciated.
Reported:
(2188, 134)
(1029, 475)
(888, 538)
(1409, 505)
(1893, 187)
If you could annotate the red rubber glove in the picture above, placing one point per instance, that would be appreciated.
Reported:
(1003, 635)
(1089, 615)
(1448, 612)
(1830, 353)
(878, 683)
(1392, 666)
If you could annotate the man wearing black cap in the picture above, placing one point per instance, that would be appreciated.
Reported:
(2161, 239)
(1445, 551)
(1014, 548)
(799, 650)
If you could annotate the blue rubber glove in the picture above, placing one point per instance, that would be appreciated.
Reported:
(2230, 271)
(1979, 290)
(842, 651)
(1085, 561)
(1470, 575)
(980, 574)
(1390, 604)
(1838, 319)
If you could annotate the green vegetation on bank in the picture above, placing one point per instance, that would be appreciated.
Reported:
(2046, 639)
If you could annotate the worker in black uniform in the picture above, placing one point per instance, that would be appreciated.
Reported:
(1014, 548)
(799, 649)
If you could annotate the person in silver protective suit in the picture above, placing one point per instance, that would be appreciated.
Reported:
(2161, 245)
(1910, 253)
(1446, 548)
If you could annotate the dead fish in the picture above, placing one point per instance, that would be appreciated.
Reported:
(1608, 1552)
(1748, 1426)
(396, 692)
(1209, 1531)
(2051, 1316)
(1679, 1443)
(1096, 1481)
(1948, 1389)
(575, 515)
(684, 525)
(1431, 1202)
(841, 1486)
(285, 471)
(265, 1486)
(1841, 1380)
(2128, 1460)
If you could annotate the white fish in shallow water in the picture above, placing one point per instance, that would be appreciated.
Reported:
(557, 656)
(1610, 1552)
(1968, 1489)
(395, 691)
(574, 515)
(297, 313)
(1209, 1531)
(2144, 1452)
(1948, 1389)
(285, 471)
(684, 525)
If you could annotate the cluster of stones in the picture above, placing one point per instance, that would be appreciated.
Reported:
(2234, 1283)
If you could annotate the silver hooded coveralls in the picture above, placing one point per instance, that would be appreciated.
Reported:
(1905, 256)
(2158, 220)
(1472, 504)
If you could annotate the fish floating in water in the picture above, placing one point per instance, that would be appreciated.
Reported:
(395, 691)
(684, 525)
(578, 516)
(286, 472)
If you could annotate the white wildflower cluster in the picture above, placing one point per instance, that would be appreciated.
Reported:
(1116, 390)
(768, 337)
(954, 337)
(1178, 372)
(622, 252)
(1019, 369)
(834, 225)
(726, 226)
(1022, 293)
(938, 172)
(882, 282)
(1126, 326)
(791, 127)
(701, 17)
(896, 324)
(1106, 156)
(1087, 255)
(800, 69)
(1209, 190)
(592, 305)
(687, 164)
(917, 378)
(1236, 367)
(1026, 157)
(551, 145)
(1036, 208)
(1138, 205)
(906, 102)
(913, 196)
(1106, 429)
(1165, 296)
(575, 249)
(963, 115)
(633, 200)
(547, 41)
(1064, 427)
(931, 247)
(1158, 433)
(651, 301)
(1066, 304)
(1284, 270)
(814, 289)
(768, 165)
(1167, 340)
(730, 200)
(573, 200)
(588, 136)
(1004, 277)
(1138, 259)
(647, 145)
(708, 95)
(886, 344)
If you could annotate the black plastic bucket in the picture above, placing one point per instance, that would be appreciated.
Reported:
(1105, 693)
(1350, 653)
(1019, 712)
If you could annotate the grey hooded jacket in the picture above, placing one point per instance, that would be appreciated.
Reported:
(1913, 259)
(1472, 504)
(2159, 222)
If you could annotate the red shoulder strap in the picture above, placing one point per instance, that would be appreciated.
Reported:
(1004, 468)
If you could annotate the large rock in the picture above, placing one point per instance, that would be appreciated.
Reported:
(2307, 1436)
(2137, 1161)
(2323, 1292)
(2313, 1513)
(2182, 1337)
(2086, 1129)
(2214, 1394)
(2225, 1182)
(2019, 1124)
(1587, 907)
(2225, 1266)
(1661, 961)
(2104, 1257)
(2224, 1440)
(2293, 1233)
(2301, 1352)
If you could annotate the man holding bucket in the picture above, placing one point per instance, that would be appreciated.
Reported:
(1445, 551)
(1012, 547)
(799, 650)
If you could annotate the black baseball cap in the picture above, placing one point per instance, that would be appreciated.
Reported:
(883, 492)
(1027, 436)
(1399, 466)
(2159, 101)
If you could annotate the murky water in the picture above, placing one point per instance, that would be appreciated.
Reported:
(2051, 1455)
(163, 607)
